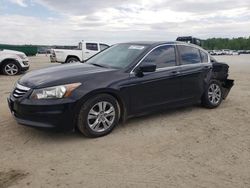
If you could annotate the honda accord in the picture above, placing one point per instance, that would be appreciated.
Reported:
(125, 80)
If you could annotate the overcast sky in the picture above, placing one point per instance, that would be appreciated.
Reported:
(70, 21)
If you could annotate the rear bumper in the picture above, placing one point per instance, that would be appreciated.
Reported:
(52, 59)
(226, 87)
(59, 116)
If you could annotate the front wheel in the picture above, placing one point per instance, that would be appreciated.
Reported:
(11, 68)
(212, 97)
(98, 116)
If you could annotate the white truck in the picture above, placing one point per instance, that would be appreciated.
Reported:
(84, 51)
(13, 62)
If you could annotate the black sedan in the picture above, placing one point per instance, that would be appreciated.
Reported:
(125, 80)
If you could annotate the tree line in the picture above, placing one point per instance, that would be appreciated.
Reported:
(226, 43)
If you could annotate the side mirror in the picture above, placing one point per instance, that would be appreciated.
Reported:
(148, 67)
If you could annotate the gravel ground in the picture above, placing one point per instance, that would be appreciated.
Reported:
(188, 147)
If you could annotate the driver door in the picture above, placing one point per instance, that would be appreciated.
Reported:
(158, 88)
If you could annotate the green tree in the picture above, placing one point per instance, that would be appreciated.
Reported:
(226, 43)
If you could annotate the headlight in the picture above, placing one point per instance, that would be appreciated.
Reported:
(56, 92)
(22, 56)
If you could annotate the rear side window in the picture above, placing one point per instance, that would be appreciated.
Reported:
(163, 56)
(189, 55)
(204, 57)
(92, 46)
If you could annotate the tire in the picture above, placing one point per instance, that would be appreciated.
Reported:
(94, 120)
(72, 60)
(11, 68)
(212, 96)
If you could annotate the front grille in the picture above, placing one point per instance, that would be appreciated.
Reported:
(20, 91)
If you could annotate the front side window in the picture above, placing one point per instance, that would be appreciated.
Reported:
(92, 46)
(189, 55)
(163, 56)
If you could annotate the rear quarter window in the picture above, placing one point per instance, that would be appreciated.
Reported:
(103, 47)
(204, 57)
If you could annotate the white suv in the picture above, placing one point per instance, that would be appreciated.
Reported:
(13, 62)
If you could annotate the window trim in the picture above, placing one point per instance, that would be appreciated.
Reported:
(177, 55)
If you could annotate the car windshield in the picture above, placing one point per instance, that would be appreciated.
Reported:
(118, 56)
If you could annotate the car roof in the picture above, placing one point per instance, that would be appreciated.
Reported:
(157, 43)
(149, 43)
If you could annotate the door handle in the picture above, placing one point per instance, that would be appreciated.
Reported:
(86, 52)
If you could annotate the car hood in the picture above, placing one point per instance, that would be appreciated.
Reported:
(61, 74)
(12, 52)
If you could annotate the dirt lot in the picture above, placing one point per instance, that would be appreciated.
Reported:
(190, 147)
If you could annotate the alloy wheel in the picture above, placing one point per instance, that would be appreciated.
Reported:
(11, 69)
(214, 94)
(101, 116)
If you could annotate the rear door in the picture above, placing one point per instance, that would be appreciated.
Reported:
(194, 69)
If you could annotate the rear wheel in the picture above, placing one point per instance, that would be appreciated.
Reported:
(11, 68)
(213, 95)
(98, 116)
(72, 60)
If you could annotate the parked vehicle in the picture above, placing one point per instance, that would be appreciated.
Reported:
(244, 51)
(13, 62)
(84, 51)
(211, 52)
(217, 52)
(235, 52)
(227, 52)
(224, 52)
(124, 81)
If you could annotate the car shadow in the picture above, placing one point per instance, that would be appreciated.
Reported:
(179, 112)
(60, 136)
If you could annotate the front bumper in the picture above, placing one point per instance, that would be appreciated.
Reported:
(226, 87)
(25, 68)
(24, 64)
(53, 114)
